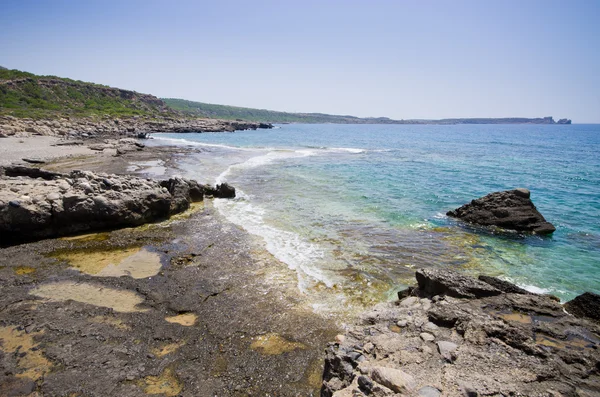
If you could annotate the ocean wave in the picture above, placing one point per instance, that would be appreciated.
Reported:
(187, 142)
(265, 159)
(288, 247)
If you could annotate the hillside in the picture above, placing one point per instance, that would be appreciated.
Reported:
(25, 94)
(200, 109)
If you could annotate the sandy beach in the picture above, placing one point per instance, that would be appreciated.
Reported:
(14, 149)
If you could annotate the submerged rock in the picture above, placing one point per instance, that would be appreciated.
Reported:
(38, 204)
(511, 209)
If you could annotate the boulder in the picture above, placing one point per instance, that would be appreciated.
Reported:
(37, 204)
(446, 282)
(511, 209)
(586, 305)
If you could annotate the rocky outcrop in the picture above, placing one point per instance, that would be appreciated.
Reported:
(506, 344)
(115, 127)
(586, 305)
(38, 204)
(511, 210)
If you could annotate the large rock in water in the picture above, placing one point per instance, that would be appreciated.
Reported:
(36, 204)
(511, 209)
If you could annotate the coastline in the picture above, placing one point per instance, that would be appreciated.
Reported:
(222, 316)
(252, 332)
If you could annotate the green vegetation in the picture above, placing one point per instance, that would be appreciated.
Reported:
(25, 94)
(199, 109)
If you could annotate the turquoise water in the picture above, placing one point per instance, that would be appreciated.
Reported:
(356, 208)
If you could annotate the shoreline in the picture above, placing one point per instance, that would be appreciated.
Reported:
(251, 331)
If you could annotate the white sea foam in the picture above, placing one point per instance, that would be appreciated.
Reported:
(290, 248)
(187, 142)
(265, 159)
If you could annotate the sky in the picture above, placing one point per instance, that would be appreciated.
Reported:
(399, 59)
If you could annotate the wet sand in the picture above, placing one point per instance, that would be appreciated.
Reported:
(219, 316)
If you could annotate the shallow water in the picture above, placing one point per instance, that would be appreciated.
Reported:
(354, 209)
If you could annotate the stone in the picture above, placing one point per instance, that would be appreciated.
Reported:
(586, 305)
(429, 391)
(511, 210)
(503, 286)
(402, 323)
(394, 379)
(427, 337)
(447, 349)
(365, 384)
(340, 338)
(447, 282)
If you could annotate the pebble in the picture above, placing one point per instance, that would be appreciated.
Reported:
(427, 337)
(410, 301)
(429, 391)
(340, 338)
(402, 323)
(368, 347)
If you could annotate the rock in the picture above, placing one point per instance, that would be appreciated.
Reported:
(402, 323)
(429, 391)
(224, 190)
(447, 349)
(365, 384)
(340, 338)
(511, 209)
(38, 204)
(446, 282)
(586, 305)
(394, 379)
(33, 161)
(427, 337)
(503, 286)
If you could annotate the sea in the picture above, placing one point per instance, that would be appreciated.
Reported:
(354, 210)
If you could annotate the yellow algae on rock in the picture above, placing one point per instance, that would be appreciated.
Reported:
(88, 237)
(136, 262)
(18, 345)
(119, 300)
(142, 264)
(185, 319)
(273, 344)
(167, 348)
(23, 270)
(115, 322)
(167, 384)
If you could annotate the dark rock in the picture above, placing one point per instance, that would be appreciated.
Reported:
(511, 209)
(405, 293)
(446, 282)
(503, 286)
(365, 384)
(33, 161)
(586, 305)
(19, 170)
(223, 190)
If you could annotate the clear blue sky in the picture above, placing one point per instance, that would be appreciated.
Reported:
(401, 59)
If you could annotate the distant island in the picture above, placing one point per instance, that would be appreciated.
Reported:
(26, 95)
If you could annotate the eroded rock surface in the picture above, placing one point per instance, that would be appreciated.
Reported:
(38, 204)
(501, 345)
(511, 209)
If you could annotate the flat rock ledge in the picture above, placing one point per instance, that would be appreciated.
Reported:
(454, 335)
(36, 204)
(511, 210)
(134, 126)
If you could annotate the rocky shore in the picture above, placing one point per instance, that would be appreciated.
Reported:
(114, 127)
(457, 336)
(39, 204)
